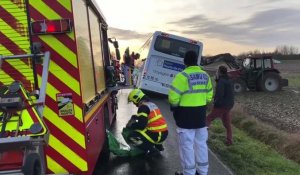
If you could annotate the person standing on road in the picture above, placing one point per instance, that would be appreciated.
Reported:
(190, 92)
(150, 127)
(127, 67)
(223, 102)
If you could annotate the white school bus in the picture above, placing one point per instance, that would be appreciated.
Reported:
(164, 54)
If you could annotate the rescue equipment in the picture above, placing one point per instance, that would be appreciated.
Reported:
(23, 132)
(120, 149)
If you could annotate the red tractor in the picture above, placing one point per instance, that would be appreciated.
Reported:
(253, 73)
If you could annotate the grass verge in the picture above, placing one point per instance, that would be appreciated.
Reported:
(294, 79)
(249, 156)
(285, 143)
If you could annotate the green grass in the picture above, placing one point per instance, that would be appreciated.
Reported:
(248, 156)
(294, 79)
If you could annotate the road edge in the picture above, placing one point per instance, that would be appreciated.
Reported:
(217, 158)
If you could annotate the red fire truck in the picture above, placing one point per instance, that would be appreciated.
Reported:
(78, 105)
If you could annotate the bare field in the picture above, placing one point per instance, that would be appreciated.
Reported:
(289, 66)
(281, 109)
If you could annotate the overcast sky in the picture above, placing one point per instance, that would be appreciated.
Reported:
(233, 26)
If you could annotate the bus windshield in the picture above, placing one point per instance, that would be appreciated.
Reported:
(174, 47)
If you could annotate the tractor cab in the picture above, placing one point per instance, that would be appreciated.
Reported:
(255, 67)
(258, 63)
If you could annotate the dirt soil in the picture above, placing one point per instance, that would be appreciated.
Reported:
(281, 109)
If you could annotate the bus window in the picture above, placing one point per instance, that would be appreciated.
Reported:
(174, 47)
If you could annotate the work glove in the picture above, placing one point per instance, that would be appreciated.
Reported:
(131, 121)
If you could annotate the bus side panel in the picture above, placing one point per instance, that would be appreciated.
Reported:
(159, 73)
(66, 151)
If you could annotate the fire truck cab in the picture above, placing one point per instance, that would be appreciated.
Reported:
(78, 103)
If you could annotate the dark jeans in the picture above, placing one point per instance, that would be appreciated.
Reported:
(224, 114)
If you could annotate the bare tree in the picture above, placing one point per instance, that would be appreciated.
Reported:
(286, 50)
(255, 53)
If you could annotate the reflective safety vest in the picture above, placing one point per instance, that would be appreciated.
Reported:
(156, 122)
(191, 88)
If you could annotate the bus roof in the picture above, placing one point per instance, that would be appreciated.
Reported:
(165, 34)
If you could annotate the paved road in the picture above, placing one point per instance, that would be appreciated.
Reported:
(167, 163)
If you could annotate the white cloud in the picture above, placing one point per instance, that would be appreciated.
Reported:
(252, 23)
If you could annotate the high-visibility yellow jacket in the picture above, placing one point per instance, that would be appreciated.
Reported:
(191, 87)
(189, 93)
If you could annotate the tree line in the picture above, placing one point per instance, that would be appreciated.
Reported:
(280, 52)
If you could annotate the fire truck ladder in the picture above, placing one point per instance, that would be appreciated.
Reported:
(17, 134)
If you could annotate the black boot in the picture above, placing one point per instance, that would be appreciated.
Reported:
(152, 151)
(159, 147)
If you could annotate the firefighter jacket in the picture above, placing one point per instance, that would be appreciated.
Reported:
(189, 93)
(148, 120)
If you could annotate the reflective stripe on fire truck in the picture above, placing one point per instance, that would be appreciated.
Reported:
(14, 40)
(66, 150)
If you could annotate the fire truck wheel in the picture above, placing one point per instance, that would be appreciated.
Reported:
(239, 86)
(32, 165)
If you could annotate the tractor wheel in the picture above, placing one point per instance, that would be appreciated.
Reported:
(32, 165)
(239, 86)
(270, 82)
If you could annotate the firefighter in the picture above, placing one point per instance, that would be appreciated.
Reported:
(148, 125)
(190, 92)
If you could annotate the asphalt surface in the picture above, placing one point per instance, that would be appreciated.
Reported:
(166, 163)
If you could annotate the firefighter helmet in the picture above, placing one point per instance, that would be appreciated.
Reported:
(135, 96)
